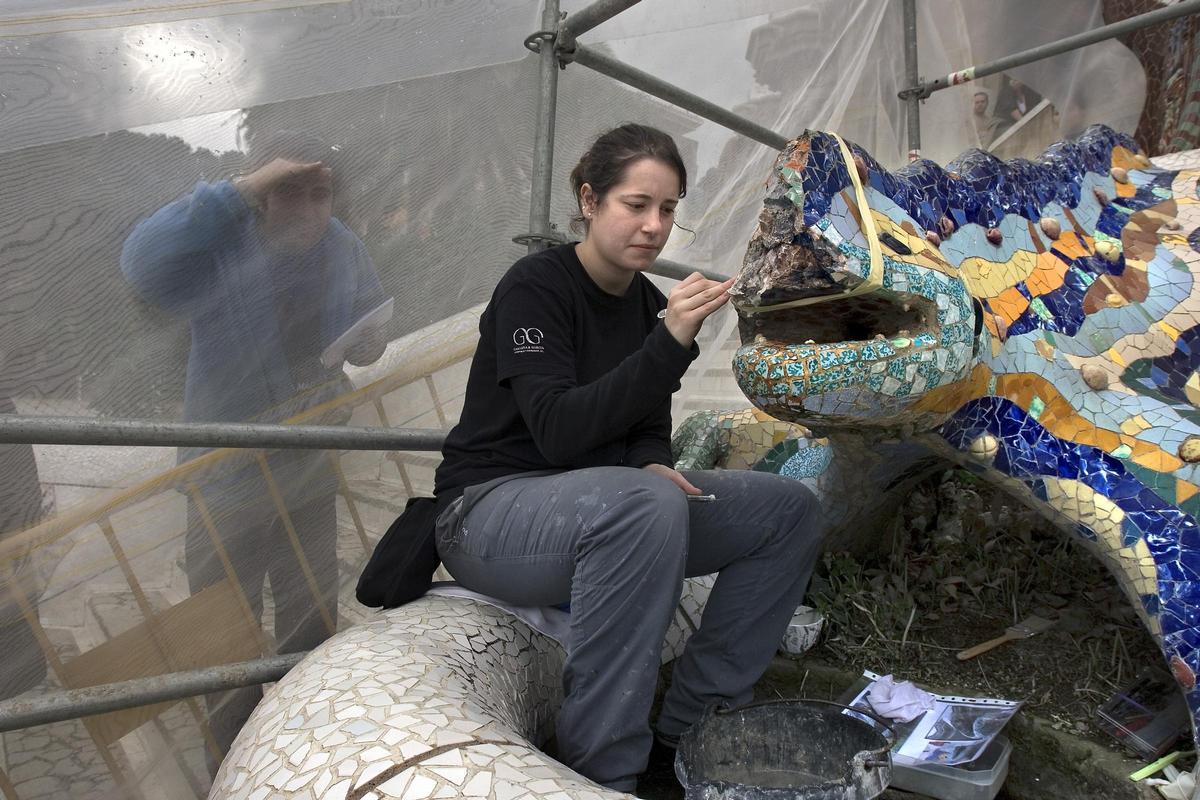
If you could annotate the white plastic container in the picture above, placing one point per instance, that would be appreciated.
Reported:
(980, 779)
(803, 631)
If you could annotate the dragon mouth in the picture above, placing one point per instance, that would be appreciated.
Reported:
(846, 321)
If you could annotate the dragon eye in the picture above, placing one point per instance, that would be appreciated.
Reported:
(977, 307)
(895, 244)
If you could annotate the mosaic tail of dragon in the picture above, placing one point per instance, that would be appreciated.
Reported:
(1038, 322)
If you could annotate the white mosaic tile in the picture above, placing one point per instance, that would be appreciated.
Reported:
(443, 697)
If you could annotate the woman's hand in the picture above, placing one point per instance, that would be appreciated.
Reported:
(690, 303)
(674, 476)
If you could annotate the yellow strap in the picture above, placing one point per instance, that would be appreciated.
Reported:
(874, 278)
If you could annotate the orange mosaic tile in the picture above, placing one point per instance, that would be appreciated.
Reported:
(1048, 276)
(1009, 304)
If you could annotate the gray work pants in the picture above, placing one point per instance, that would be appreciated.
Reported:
(617, 542)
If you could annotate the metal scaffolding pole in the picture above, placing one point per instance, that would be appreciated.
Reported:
(541, 235)
(16, 429)
(913, 76)
(923, 90)
(596, 14)
(620, 71)
(75, 703)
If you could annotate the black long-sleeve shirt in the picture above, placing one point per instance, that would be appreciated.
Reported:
(565, 376)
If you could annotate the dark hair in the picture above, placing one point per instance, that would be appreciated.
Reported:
(605, 162)
(982, 92)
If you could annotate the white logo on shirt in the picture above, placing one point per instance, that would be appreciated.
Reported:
(528, 340)
(523, 336)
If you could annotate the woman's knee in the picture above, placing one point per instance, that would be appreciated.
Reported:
(647, 512)
(793, 509)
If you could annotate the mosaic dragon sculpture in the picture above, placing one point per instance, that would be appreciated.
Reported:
(1036, 322)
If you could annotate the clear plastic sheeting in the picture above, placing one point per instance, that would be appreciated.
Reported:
(30, 17)
(104, 75)
(146, 274)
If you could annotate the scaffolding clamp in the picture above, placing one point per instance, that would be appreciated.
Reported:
(564, 45)
(562, 40)
(548, 238)
(533, 42)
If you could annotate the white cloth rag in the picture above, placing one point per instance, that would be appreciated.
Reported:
(1183, 787)
(552, 622)
(899, 702)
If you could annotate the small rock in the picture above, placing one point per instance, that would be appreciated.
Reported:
(860, 164)
(1109, 251)
(1119, 175)
(1172, 225)
(1095, 377)
(1141, 160)
(1053, 600)
(1001, 326)
(1101, 196)
(1183, 673)
(1189, 451)
(985, 447)
(995, 236)
(1051, 227)
(945, 227)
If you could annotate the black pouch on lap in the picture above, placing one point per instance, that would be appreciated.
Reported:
(402, 566)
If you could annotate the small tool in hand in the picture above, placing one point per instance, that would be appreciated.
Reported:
(1022, 630)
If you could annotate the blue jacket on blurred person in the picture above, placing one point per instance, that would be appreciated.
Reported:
(260, 314)
(267, 280)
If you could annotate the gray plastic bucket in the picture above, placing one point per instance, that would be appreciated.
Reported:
(785, 750)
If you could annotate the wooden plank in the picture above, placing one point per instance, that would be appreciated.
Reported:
(134, 653)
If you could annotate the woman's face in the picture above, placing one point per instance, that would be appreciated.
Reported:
(629, 227)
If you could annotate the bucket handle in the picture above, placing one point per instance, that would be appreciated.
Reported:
(877, 758)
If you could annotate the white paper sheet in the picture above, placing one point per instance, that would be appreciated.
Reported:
(335, 354)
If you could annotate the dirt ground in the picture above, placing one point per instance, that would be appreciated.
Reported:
(964, 563)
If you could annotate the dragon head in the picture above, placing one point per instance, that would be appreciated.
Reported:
(849, 313)
(867, 298)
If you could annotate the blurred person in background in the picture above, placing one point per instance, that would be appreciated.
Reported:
(267, 279)
(986, 125)
(1015, 101)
